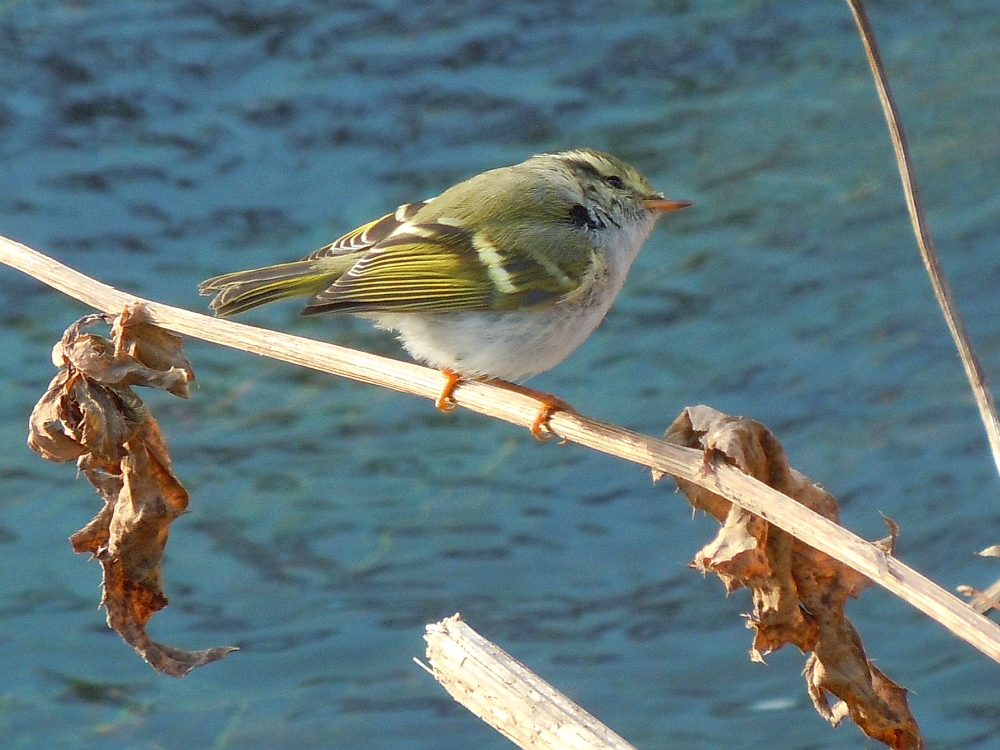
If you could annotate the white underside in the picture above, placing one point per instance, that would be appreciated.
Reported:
(509, 345)
(516, 344)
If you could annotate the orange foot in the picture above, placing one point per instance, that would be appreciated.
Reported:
(549, 405)
(539, 428)
(445, 402)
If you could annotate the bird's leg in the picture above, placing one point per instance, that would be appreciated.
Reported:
(549, 405)
(445, 402)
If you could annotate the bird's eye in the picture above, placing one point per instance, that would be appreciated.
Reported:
(615, 181)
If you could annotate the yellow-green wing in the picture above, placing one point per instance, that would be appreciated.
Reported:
(441, 267)
(242, 290)
(370, 234)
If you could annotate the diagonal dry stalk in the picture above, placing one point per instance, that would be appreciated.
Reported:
(973, 369)
(519, 409)
(508, 696)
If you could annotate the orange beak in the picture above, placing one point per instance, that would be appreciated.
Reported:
(659, 203)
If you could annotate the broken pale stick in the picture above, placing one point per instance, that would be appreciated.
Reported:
(508, 696)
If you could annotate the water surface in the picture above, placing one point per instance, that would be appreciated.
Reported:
(154, 144)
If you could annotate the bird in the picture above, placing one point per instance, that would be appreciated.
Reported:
(498, 278)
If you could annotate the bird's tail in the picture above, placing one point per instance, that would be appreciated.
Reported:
(243, 290)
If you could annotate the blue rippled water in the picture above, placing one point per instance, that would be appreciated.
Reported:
(154, 144)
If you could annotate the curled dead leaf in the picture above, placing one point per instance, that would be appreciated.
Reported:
(155, 347)
(90, 413)
(798, 592)
(48, 433)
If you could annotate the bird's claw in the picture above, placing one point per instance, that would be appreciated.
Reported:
(548, 404)
(445, 402)
(540, 427)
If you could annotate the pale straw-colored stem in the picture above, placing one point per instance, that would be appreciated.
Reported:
(520, 409)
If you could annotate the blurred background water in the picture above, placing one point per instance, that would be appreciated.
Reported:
(154, 144)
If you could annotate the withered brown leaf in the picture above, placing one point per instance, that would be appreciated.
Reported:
(155, 347)
(91, 414)
(48, 433)
(798, 592)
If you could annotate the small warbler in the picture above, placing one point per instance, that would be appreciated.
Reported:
(499, 277)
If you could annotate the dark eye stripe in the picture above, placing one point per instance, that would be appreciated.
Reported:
(580, 216)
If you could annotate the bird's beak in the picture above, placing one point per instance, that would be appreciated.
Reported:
(659, 203)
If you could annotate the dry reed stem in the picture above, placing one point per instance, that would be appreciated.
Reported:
(519, 409)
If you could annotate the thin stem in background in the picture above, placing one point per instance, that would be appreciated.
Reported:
(973, 369)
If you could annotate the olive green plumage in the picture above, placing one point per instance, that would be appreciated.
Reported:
(501, 275)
